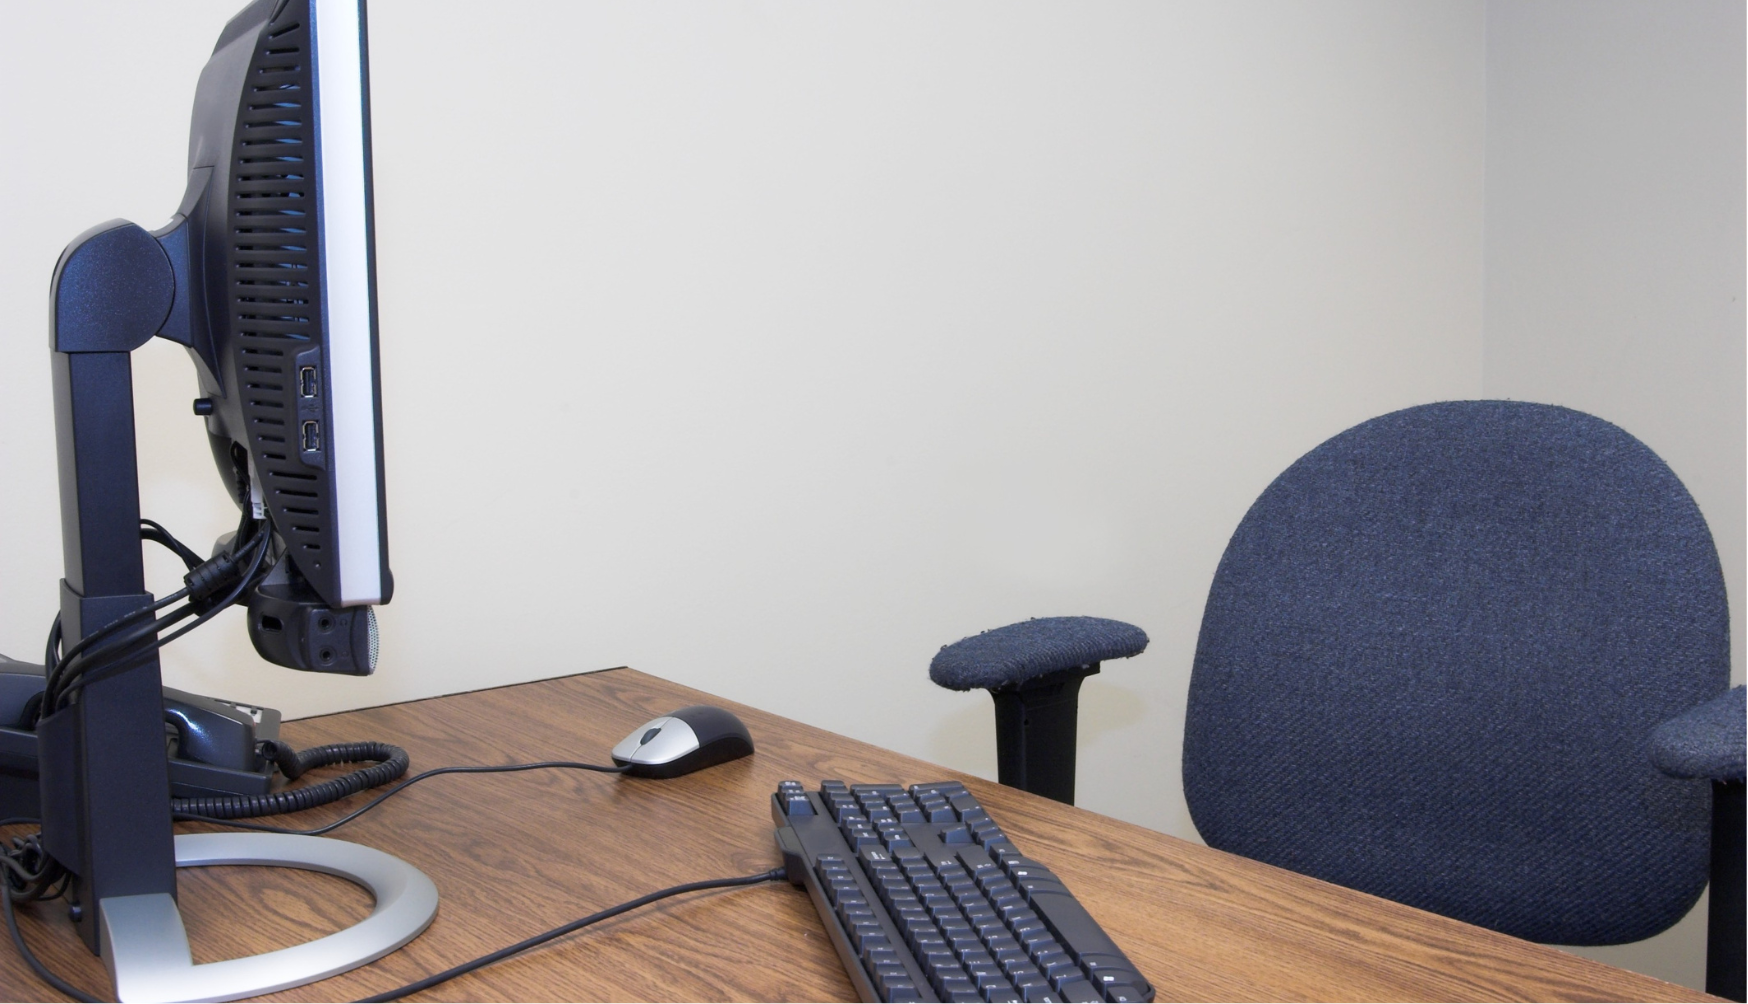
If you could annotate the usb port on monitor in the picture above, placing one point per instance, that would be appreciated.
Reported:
(312, 437)
(306, 381)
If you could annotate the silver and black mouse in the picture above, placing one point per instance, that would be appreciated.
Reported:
(683, 741)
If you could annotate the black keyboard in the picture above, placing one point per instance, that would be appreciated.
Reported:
(927, 900)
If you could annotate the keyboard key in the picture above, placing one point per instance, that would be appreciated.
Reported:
(932, 894)
(1078, 992)
(958, 988)
(1111, 970)
(1033, 986)
(986, 976)
(1002, 995)
(964, 942)
(841, 886)
(1022, 868)
(943, 912)
(1009, 903)
(1056, 964)
(1123, 992)
(953, 835)
(853, 912)
(930, 942)
(1003, 946)
(870, 936)
(936, 962)
(1033, 887)
(990, 929)
(921, 931)
(978, 958)
(980, 912)
(872, 857)
(890, 980)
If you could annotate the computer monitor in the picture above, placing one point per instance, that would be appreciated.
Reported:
(266, 274)
(281, 257)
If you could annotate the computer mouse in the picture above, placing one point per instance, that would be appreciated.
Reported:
(683, 741)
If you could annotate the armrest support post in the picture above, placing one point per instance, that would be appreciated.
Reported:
(1035, 732)
(1725, 933)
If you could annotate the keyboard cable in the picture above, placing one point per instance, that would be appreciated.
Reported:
(15, 872)
(575, 925)
(446, 975)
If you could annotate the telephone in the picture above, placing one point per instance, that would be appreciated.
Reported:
(214, 746)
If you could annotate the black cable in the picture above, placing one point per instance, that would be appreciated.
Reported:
(150, 530)
(154, 531)
(575, 925)
(41, 970)
(55, 660)
(105, 651)
(66, 677)
(57, 664)
(396, 790)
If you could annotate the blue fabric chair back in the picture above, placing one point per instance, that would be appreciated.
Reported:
(1431, 660)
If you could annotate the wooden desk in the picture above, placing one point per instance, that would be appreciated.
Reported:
(516, 854)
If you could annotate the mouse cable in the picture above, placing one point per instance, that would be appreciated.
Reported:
(27, 873)
(397, 789)
(575, 925)
(36, 965)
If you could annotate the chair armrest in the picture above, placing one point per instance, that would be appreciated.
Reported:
(1707, 741)
(1019, 652)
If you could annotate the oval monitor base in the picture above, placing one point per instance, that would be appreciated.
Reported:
(146, 947)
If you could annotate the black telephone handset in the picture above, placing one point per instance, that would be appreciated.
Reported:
(214, 746)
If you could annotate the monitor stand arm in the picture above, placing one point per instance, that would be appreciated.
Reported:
(103, 772)
(102, 766)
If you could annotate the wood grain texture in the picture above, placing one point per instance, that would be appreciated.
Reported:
(516, 854)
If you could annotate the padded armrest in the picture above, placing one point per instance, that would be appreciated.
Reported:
(1707, 741)
(1032, 648)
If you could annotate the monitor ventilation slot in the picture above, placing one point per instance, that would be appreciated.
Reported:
(273, 302)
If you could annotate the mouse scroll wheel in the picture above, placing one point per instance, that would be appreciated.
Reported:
(651, 734)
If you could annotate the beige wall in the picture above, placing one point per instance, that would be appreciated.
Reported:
(771, 347)
(1615, 240)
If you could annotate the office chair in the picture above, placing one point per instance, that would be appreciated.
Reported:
(1431, 667)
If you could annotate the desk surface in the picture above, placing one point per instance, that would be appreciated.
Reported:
(516, 854)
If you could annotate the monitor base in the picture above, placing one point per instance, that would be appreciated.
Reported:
(146, 947)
